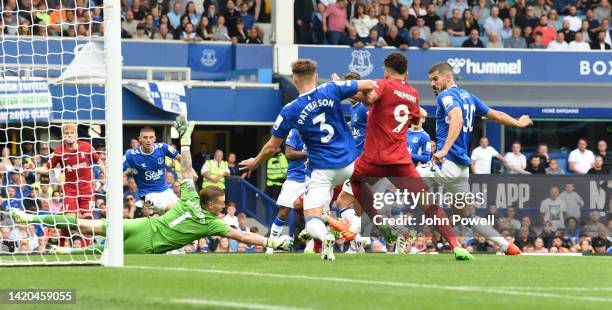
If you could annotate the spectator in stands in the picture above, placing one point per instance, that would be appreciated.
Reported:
(530, 19)
(242, 221)
(543, 153)
(439, 38)
(540, 8)
(506, 31)
(190, 10)
(406, 17)
(515, 159)
(394, 39)
(573, 201)
(416, 40)
(605, 28)
(276, 174)
(431, 17)
(539, 246)
(354, 40)
(416, 9)
(215, 170)
(241, 34)
(469, 22)
(180, 29)
(554, 21)
(334, 22)
(230, 217)
(580, 159)
(212, 14)
(494, 41)
(586, 32)
(482, 157)
(600, 245)
(574, 21)
(516, 40)
(56, 204)
(403, 31)
(204, 29)
(220, 32)
(569, 35)
(553, 167)
(523, 238)
(602, 150)
(382, 27)
(233, 167)
(223, 246)
(578, 44)
(374, 39)
(554, 209)
(424, 30)
(537, 42)
(602, 11)
(559, 43)
(594, 224)
(254, 37)
(454, 25)
(318, 36)
(600, 44)
(535, 165)
(515, 224)
(389, 18)
(174, 16)
(129, 206)
(473, 40)
(493, 24)
(231, 18)
(12, 201)
(189, 35)
(481, 12)
(248, 19)
(373, 16)
(129, 24)
(546, 30)
(360, 21)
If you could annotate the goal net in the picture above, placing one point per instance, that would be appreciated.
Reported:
(54, 130)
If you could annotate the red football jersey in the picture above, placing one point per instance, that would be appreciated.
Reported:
(388, 120)
(77, 167)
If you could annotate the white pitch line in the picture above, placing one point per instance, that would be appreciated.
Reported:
(228, 304)
(569, 289)
(501, 290)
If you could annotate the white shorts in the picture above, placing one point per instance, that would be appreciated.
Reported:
(347, 188)
(319, 189)
(160, 200)
(290, 192)
(453, 177)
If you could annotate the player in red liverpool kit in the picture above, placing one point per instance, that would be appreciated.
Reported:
(75, 158)
(394, 105)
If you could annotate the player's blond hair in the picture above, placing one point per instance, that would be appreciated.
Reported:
(67, 126)
(423, 112)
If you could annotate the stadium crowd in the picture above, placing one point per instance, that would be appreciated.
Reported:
(570, 230)
(537, 24)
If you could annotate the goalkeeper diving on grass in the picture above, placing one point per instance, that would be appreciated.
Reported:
(193, 217)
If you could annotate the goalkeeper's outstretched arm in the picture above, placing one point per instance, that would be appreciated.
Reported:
(281, 243)
(185, 129)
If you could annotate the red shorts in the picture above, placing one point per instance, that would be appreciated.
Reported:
(403, 176)
(80, 203)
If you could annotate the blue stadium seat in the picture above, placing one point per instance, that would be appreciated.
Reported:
(457, 41)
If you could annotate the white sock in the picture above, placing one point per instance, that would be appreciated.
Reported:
(491, 234)
(349, 214)
(277, 228)
(316, 228)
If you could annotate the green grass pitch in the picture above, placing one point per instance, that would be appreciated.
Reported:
(299, 281)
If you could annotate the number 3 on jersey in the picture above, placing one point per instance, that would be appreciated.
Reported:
(469, 110)
(320, 119)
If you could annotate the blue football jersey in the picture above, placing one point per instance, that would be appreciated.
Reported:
(149, 169)
(296, 171)
(471, 107)
(318, 117)
(359, 119)
(419, 146)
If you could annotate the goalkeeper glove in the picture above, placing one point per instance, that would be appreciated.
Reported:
(281, 243)
(185, 129)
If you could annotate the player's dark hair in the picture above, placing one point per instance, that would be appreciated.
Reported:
(210, 194)
(147, 129)
(440, 67)
(304, 68)
(352, 76)
(397, 62)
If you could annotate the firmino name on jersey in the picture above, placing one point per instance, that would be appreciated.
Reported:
(405, 96)
(313, 105)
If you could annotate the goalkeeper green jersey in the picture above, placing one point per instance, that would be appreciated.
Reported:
(184, 223)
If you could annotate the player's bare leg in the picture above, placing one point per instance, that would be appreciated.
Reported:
(279, 223)
(317, 230)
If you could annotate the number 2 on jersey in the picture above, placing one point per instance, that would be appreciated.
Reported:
(402, 118)
(320, 119)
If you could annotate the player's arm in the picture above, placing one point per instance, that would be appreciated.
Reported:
(100, 164)
(282, 243)
(454, 129)
(185, 129)
(365, 89)
(505, 119)
(425, 147)
(292, 154)
(269, 149)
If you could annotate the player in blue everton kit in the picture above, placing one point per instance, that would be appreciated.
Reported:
(419, 141)
(318, 117)
(455, 115)
(294, 185)
(147, 163)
